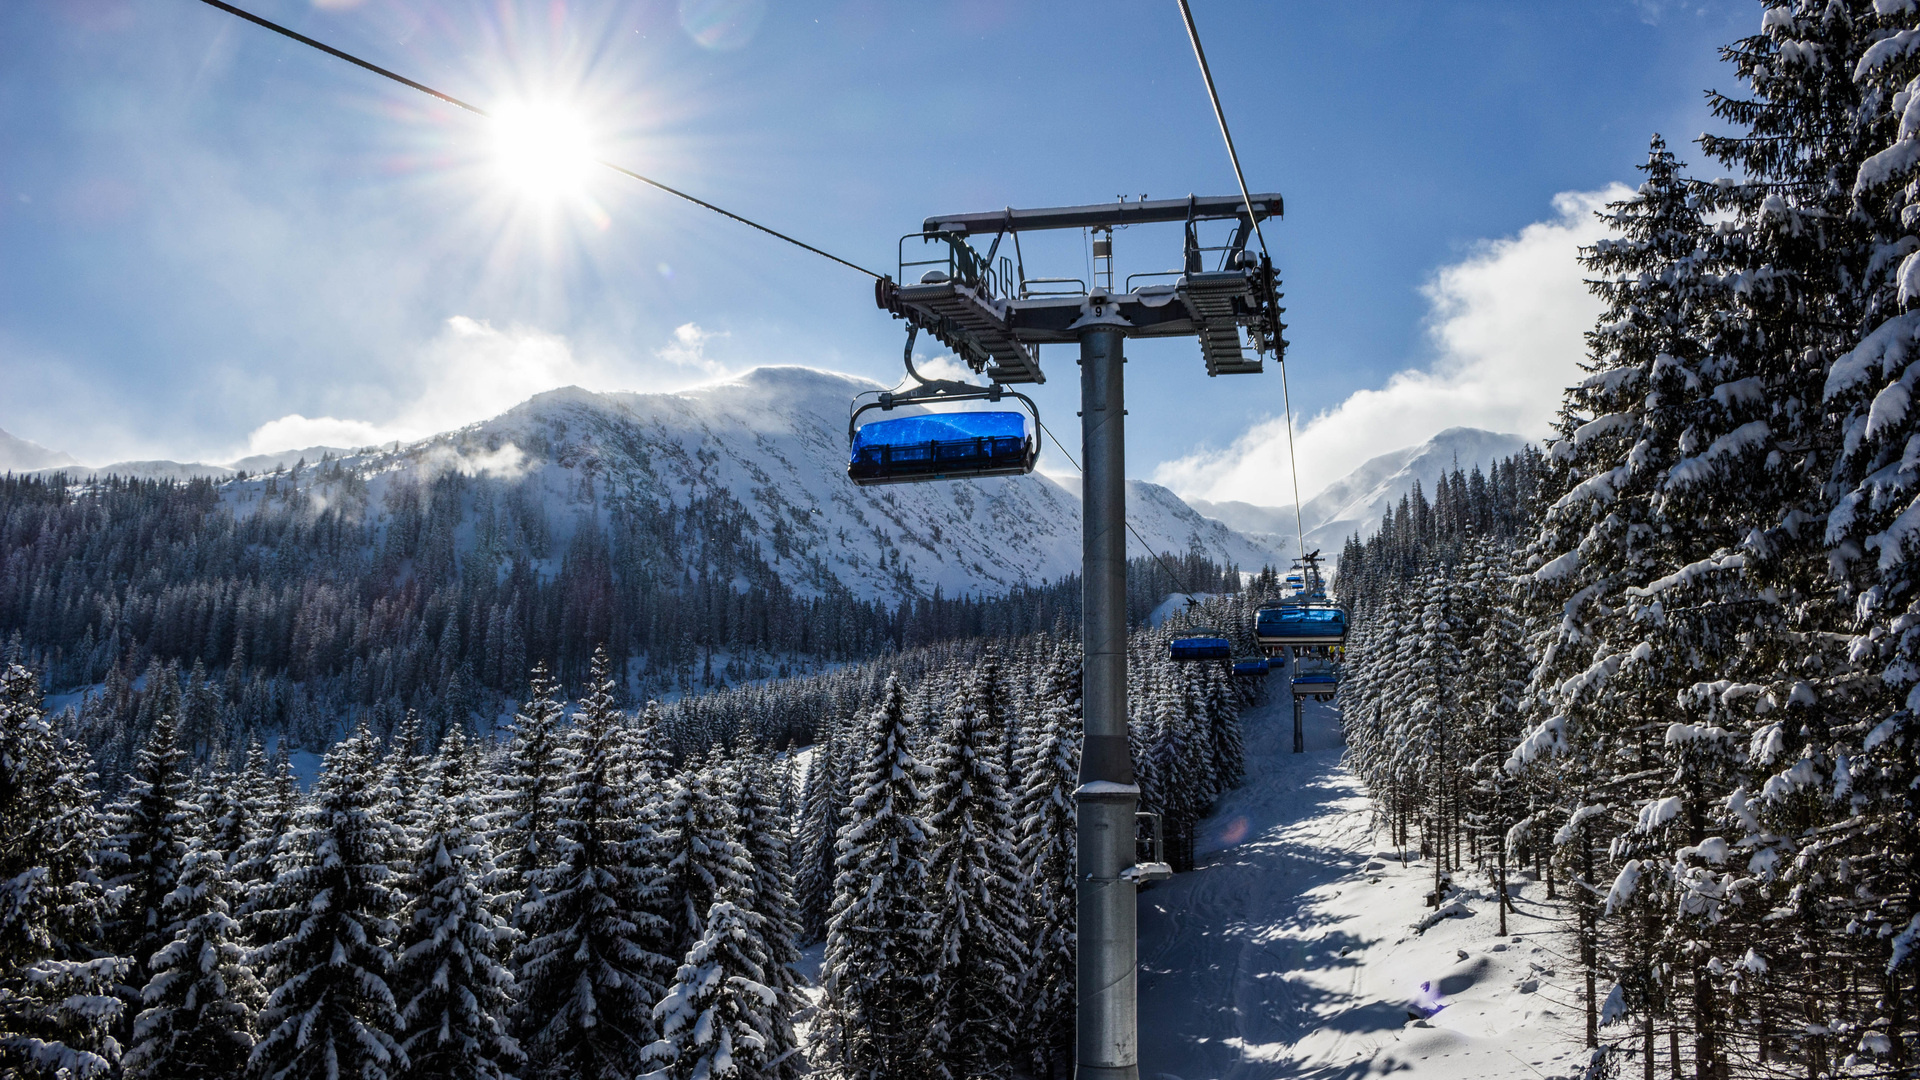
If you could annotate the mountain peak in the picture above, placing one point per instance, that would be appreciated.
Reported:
(773, 440)
(22, 455)
(1357, 501)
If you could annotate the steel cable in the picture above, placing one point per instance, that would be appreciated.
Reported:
(1220, 114)
(478, 111)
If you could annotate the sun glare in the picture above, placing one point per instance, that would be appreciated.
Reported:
(541, 150)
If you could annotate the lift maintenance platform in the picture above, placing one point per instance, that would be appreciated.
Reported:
(993, 316)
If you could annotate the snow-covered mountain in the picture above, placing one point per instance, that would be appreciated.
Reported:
(19, 455)
(775, 440)
(1356, 502)
(163, 469)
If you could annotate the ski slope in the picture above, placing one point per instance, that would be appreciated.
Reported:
(1290, 950)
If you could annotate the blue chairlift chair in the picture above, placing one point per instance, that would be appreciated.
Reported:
(1198, 644)
(942, 445)
(1302, 624)
(1317, 678)
(1250, 668)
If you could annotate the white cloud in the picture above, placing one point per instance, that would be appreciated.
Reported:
(293, 431)
(689, 349)
(505, 463)
(1507, 325)
(471, 371)
(945, 366)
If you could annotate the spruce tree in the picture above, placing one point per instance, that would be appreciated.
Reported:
(328, 924)
(716, 1019)
(197, 1009)
(827, 792)
(979, 950)
(525, 834)
(273, 794)
(452, 980)
(1867, 864)
(1048, 824)
(702, 860)
(880, 936)
(57, 1000)
(227, 802)
(591, 966)
(762, 833)
(403, 787)
(152, 826)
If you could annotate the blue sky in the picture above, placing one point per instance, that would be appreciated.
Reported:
(209, 229)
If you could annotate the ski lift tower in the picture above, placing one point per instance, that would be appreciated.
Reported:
(995, 317)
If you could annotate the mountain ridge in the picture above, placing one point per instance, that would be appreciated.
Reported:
(23, 455)
(1356, 502)
(774, 436)
(774, 439)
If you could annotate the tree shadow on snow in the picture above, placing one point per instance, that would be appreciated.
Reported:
(1238, 964)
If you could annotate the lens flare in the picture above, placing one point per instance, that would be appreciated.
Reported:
(1235, 831)
(722, 25)
(542, 150)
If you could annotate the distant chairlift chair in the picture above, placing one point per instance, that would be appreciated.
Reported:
(1317, 678)
(1199, 644)
(1281, 626)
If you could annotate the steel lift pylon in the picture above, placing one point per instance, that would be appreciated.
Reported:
(995, 317)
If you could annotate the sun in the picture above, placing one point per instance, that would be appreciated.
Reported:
(542, 149)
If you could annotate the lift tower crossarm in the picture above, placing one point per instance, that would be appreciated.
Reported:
(1106, 215)
(995, 317)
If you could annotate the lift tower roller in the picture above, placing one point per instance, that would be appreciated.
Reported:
(994, 318)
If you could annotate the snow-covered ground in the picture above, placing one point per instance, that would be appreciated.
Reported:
(1174, 604)
(1291, 950)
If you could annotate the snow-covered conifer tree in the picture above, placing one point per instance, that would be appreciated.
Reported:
(403, 787)
(880, 936)
(452, 981)
(525, 834)
(197, 1008)
(57, 1000)
(228, 802)
(762, 834)
(1048, 827)
(1228, 763)
(828, 790)
(591, 966)
(716, 1019)
(702, 860)
(151, 828)
(274, 796)
(655, 754)
(328, 925)
(1863, 870)
(979, 950)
